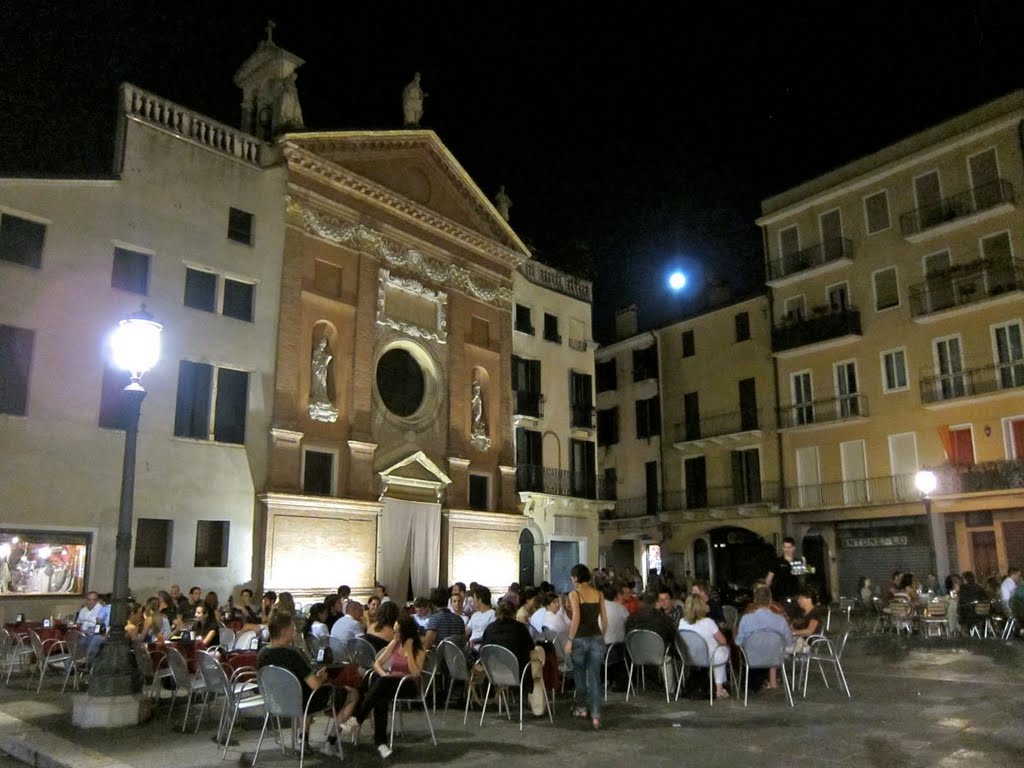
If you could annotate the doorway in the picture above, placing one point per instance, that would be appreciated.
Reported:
(983, 546)
(526, 557)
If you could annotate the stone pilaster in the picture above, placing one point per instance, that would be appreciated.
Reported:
(361, 481)
(458, 491)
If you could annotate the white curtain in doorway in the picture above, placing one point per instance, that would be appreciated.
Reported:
(410, 546)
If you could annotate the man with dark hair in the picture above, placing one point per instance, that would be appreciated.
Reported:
(280, 652)
(195, 599)
(442, 623)
(715, 612)
(344, 592)
(649, 617)
(421, 612)
(667, 604)
(783, 583)
(483, 616)
(179, 602)
(246, 608)
(509, 633)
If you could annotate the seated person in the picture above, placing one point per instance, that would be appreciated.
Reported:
(318, 630)
(808, 620)
(207, 627)
(551, 615)
(404, 655)
(702, 588)
(245, 609)
(421, 612)
(616, 612)
(764, 618)
(382, 632)
(514, 635)
(696, 619)
(528, 605)
(483, 616)
(280, 652)
(88, 617)
(649, 617)
(348, 626)
(443, 623)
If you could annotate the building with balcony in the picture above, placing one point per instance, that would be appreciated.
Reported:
(902, 349)
(189, 225)
(554, 425)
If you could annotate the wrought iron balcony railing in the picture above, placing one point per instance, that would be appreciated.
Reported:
(816, 255)
(958, 206)
(964, 284)
(823, 411)
(583, 416)
(557, 482)
(718, 425)
(987, 476)
(972, 382)
(637, 506)
(703, 497)
(823, 324)
(871, 490)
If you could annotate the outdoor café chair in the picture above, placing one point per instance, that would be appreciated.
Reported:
(647, 648)
(764, 649)
(502, 669)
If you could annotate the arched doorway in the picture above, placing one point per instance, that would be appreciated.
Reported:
(815, 552)
(741, 557)
(526, 557)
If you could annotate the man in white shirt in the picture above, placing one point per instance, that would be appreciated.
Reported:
(88, 618)
(482, 616)
(616, 613)
(1008, 587)
(348, 626)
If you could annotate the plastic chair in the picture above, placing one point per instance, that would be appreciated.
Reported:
(764, 649)
(362, 654)
(693, 650)
(282, 697)
(458, 671)
(502, 669)
(615, 653)
(48, 653)
(549, 635)
(643, 648)
(415, 691)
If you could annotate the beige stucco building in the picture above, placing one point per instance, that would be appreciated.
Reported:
(897, 307)
(189, 225)
(554, 423)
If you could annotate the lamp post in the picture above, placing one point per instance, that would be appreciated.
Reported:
(926, 482)
(135, 347)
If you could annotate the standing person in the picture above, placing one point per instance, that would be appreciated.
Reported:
(1008, 587)
(781, 580)
(586, 643)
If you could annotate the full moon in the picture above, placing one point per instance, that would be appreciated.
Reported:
(676, 281)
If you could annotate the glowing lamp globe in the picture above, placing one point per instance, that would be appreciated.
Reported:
(135, 344)
(676, 281)
(925, 481)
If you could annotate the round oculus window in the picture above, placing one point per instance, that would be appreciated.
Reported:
(401, 382)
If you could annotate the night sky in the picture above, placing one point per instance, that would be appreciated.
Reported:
(628, 144)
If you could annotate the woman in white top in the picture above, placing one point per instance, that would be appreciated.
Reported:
(695, 618)
(317, 624)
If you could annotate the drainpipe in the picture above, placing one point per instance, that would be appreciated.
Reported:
(778, 387)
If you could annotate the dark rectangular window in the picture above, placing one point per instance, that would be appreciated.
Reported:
(529, 460)
(648, 418)
(232, 406)
(526, 386)
(15, 362)
(742, 326)
(21, 241)
(192, 408)
(130, 271)
(746, 476)
(551, 329)
(524, 319)
(201, 290)
(651, 487)
(153, 542)
(583, 467)
(696, 479)
(607, 376)
(318, 473)
(479, 492)
(691, 415)
(645, 363)
(608, 426)
(688, 345)
(113, 411)
(748, 404)
(581, 400)
(238, 299)
(240, 226)
(212, 543)
(611, 483)
(327, 279)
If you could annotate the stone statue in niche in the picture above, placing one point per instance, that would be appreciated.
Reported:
(479, 437)
(412, 103)
(320, 406)
(503, 203)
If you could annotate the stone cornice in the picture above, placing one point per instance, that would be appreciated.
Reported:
(359, 236)
(307, 161)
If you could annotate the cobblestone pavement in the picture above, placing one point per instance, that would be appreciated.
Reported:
(915, 703)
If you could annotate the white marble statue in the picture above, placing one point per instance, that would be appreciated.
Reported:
(503, 202)
(320, 406)
(412, 102)
(479, 437)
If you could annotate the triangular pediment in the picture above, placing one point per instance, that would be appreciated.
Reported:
(414, 165)
(415, 473)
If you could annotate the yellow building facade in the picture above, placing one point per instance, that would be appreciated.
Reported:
(896, 300)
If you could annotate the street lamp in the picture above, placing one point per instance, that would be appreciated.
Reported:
(926, 483)
(135, 348)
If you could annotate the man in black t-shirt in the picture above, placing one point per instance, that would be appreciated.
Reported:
(281, 652)
(783, 583)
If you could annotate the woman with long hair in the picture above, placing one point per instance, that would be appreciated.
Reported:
(585, 642)
(404, 655)
(695, 619)
(382, 631)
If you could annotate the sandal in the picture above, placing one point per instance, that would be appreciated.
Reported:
(580, 712)
(596, 722)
